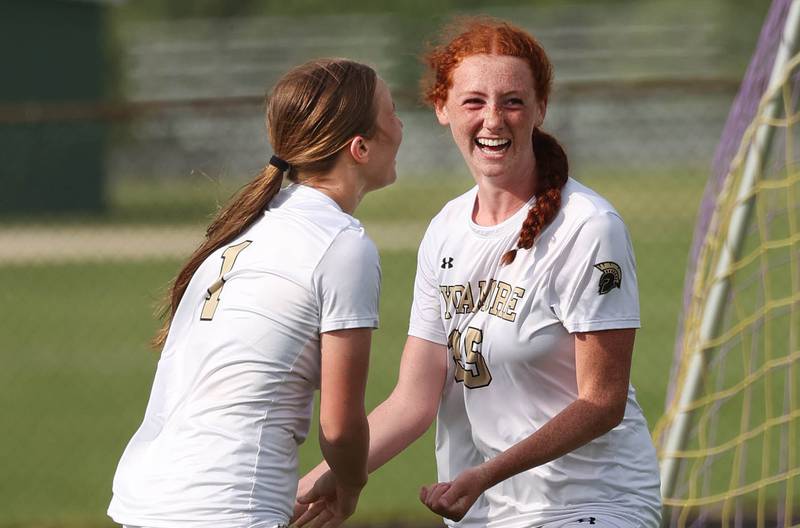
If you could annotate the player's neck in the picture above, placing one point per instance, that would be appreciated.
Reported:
(342, 185)
(499, 200)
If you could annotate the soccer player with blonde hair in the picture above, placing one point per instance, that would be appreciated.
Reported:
(280, 299)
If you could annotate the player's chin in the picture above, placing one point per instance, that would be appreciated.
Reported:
(391, 177)
(493, 168)
(387, 178)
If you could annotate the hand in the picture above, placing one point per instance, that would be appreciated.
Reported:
(321, 479)
(454, 499)
(327, 504)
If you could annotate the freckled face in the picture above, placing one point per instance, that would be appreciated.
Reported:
(492, 110)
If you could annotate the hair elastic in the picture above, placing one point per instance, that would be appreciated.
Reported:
(279, 164)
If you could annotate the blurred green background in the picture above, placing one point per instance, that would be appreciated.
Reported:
(118, 147)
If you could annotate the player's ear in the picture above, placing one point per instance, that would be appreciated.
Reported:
(359, 149)
(541, 111)
(441, 114)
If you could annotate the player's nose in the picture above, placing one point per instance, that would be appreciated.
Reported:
(492, 117)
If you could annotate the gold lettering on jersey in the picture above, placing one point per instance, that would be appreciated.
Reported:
(496, 297)
(458, 294)
(467, 303)
(500, 298)
(509, 314)
(213, 292)
(485, 293)
(447, 293)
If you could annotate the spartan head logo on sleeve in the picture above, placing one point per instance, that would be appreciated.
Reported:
(610, 278)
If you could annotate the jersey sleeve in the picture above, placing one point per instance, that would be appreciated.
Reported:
(426, 319)
(347, 282)
(595, 285)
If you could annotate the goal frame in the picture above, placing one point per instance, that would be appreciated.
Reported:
(756, 158)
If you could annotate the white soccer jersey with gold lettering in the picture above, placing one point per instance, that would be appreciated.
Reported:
(232, 395)
(512, 367)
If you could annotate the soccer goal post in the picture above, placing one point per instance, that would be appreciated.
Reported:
(729, 440)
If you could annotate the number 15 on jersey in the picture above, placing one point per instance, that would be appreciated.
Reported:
(471, 369)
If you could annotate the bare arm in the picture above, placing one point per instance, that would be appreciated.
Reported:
(343, 429)
(394, 424)
(411, 407)
(603, 363)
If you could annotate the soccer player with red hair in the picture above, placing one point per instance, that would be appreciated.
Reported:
(523, 321)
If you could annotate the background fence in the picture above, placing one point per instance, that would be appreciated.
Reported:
(642, 91)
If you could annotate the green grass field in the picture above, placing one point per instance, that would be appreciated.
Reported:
(77, 368)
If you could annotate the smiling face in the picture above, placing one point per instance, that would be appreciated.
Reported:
(492, 109)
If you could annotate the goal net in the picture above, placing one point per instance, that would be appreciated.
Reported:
(729, 441)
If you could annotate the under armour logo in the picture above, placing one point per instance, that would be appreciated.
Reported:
(590, 520)
(447, 262)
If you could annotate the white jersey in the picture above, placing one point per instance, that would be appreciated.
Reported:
(512, 366)
(233, 392)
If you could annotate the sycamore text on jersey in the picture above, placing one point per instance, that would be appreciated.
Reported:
(502, 299)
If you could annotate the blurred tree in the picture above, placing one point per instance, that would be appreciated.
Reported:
(53, 53)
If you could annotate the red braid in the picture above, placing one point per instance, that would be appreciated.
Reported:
(552, 170)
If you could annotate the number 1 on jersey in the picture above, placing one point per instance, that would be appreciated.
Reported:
(212, 294)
